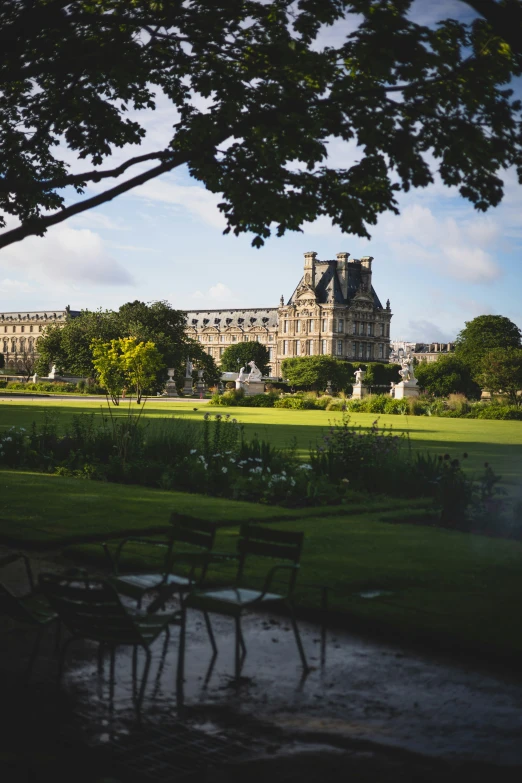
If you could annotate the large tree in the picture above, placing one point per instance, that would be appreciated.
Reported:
(483, 334)
(315, 372)
(502, 373)
(448, 375)
(239, 355)
(258, 99)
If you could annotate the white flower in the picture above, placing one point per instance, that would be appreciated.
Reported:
(216, 455)
(232, 460)
(283, 472)
(8, 438)
(258, 459)
(228, 452)
(306, 467)
(224, 470)
(292, 482)
(22, 429)
(268, 470)
(201, 457)
(193, 451)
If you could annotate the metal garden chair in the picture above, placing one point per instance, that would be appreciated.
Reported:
(30, 611)
(196, 533)
(93, 610)
(237, 600)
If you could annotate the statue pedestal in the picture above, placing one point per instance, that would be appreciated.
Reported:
(187, 387)
(170, 386)
(406, 389)
(251, 387)
(359, 391)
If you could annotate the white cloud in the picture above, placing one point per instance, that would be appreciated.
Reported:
(193, 198)
(218, 294)
(10, 286)
(66, 255)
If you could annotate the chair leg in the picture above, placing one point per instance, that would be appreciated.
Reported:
(298, 639)
(61, 659)
(239, 635)
(180, 674)
(242, 643)
(210, 633)
(100, 658)
(34, 654)
(112, 678)
(144, 679)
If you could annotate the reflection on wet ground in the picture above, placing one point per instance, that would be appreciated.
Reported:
(371, 707)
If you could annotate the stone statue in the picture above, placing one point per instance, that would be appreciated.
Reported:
(255, 372)
(406, 372)
(188, 370)
(243, 376)
(359, 375)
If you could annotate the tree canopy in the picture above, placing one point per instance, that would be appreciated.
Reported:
(314, 372)
(258, 98)
(238, 355)
(483, 334)
(70, 346)
(448, 375)
(502, 373)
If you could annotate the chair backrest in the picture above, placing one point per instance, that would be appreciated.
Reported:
(191, 530)
(90, 609)
(13, 607)
(268, 542)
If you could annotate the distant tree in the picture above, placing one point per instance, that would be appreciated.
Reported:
(255, 90)
(238, 355)
(126, 364)
(448, 375)
(381, 374)
(108, 369)
(483, 334)
(69, 347)
(502, 372)
(314, 372)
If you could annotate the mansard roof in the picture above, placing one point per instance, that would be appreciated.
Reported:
(264, 317)
(328, 288)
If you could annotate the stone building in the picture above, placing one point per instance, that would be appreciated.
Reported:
(19, 333)
(334, 310)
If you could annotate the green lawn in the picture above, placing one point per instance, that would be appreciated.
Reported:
(497, 442)
(454, 589)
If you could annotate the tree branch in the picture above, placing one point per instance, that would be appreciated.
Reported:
(506, 20)
(78, 179)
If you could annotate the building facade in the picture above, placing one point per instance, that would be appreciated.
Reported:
(423, 352)
(333, 311)
(19, 334)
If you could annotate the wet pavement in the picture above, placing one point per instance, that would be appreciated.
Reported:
(374, 710)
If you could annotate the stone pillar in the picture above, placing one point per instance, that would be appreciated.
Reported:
(187, 384)
(201, 385)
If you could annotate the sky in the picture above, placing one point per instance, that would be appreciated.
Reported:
(439, 262)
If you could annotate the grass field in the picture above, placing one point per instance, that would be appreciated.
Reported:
(451, 589)
(496, 442)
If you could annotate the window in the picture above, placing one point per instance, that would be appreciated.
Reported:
(209, 351)
(210, 338)
(233, 338)
(323, 347)
(14, 328)
(310, 347)
(270, 338)
(270, 354)
(222, 338)
(285, 327)
(323, 325)
(298, 347)
(31, 328)
(362, 328)
(39, 328)
(370, 330)
(298, 326)
(5, 328)
(354, 329)
(6, 350)
(221, 352)
(381, 351)
(245, 338)
(369, 350)
(354, 350)
(334, 325)
(381, 330)
(387, 330)
(22, 328)
(285, 347)
(341, 325)
(311, 326)
(362, 354)
(200, 338)
(339, 347)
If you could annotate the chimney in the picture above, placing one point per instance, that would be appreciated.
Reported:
(366, 272)
(309, 269)
(342, 272)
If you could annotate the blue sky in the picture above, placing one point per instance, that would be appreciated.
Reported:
(439, 262)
